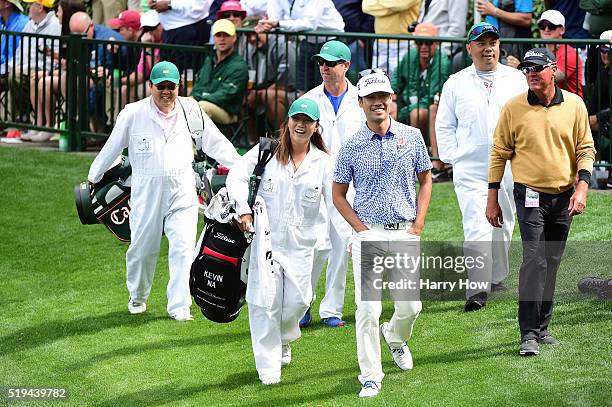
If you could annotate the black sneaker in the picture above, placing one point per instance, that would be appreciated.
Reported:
(605, 293)
(549, 340)
(592, 285)
(499, 287)
(529, 347)
(475, 302)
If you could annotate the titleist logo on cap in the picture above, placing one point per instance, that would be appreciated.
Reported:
(370, 81)
(534, 54)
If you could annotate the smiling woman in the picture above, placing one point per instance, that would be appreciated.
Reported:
(293, 184)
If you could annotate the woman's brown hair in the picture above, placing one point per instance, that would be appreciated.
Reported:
(283, 152)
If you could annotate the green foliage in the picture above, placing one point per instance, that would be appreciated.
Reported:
(65, 323)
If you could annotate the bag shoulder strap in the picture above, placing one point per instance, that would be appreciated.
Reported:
(267, 149)
(195, 125)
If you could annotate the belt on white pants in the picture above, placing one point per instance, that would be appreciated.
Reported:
(390, 226)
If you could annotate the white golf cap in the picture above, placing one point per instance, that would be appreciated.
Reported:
(606, 35)
(375, 82)
(149, 19)
(553, 16)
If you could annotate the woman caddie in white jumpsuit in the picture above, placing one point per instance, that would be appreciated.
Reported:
(163, 197)
(292, 199)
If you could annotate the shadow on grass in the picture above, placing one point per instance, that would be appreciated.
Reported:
(214, 339)
(173, 393)
(471, 354)
(34, 336)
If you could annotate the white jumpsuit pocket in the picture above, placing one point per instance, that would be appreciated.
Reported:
(144, 144)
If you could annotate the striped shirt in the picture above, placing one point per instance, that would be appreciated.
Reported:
(383, 170)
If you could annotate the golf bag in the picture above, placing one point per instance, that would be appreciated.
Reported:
(219, 272)
(108, 201)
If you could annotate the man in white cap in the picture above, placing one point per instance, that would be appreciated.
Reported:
(569, 65)
(383, 160)
(340, 118)
(161, 144)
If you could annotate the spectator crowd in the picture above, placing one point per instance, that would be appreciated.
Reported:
(246, 82)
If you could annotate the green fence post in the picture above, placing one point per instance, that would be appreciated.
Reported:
(68, 140)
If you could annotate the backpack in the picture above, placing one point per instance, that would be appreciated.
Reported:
(217, 280)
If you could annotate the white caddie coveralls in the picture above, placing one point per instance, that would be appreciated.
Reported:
(163, 197)
(332, 240)
(466, 119)
(292, 201)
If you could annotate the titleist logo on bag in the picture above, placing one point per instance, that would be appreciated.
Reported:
(221, 236)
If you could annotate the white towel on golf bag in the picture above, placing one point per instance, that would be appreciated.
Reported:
(221, 208)
(260, 287)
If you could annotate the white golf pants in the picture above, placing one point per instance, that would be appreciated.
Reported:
(333, 247)
(162, 204)
(280, 325)
(367, 314)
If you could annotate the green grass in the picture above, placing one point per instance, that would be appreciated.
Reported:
(64, 322)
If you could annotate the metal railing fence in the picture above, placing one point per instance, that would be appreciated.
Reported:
(79, 96)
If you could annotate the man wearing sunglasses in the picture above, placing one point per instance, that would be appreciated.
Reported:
(467, 115)
(568, 75)
(545, 134)
(340, 118)
(418, 81)
(160, 139)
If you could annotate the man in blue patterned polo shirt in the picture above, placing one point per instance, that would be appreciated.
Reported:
(383, 159)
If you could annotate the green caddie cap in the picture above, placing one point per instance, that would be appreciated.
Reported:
(480, 29)
(334, 51)
(164, 71)
(305, 106)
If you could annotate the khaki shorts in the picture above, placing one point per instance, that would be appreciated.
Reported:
(217, 114)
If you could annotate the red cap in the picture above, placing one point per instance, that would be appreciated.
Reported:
(231, 5)
(127, 19)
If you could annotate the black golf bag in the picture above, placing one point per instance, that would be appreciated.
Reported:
(218, 278)
(108, 201)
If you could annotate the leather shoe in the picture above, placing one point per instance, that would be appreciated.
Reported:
(475, 302)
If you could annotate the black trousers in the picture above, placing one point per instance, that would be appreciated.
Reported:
(544, 232)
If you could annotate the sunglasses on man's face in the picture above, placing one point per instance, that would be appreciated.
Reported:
(230, 14)
(330, 64)
(166, 86)
(371, 71)
(477, 31)
(604, 49)
(543, 25)
(534, 69)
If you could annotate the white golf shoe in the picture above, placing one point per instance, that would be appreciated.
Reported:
(286, 355)
(135, 307)
(370, 389)
(401, 355)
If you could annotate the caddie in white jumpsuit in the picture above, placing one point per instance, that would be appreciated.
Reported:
(292, 190)
(383, 160)
(341, 117)
(467, 115)
(163, 197)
